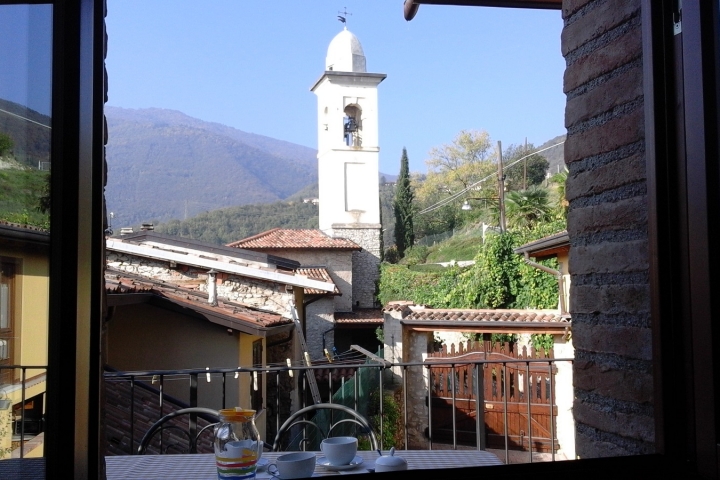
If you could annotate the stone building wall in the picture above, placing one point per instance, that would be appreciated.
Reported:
(417, 388)
(319, 319)
(365, 263)
(339, 265)
(607, 225)
(260, 294)
(393, 342)
(281, 390)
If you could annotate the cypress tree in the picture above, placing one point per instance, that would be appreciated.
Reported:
(402, 207)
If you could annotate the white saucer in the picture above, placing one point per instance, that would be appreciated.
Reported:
(324, 462)
(262, 463)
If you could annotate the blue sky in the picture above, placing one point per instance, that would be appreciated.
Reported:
(250, 64)
(25, 60)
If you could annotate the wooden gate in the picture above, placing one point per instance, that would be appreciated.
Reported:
(505, 387)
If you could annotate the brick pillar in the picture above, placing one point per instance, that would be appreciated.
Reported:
(607, 224)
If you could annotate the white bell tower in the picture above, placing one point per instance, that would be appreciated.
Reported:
(348, 154)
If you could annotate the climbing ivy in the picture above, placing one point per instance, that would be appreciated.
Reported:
(499, 278)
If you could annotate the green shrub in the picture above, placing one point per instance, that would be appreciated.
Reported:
(392, 434)
(414, 255)
(392, 255)
(6, 143)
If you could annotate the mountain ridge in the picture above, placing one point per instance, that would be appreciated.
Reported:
(202, 166)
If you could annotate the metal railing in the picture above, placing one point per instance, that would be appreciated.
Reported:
(8, 389)
(402, 373)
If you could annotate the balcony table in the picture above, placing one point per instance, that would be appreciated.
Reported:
(202, 466)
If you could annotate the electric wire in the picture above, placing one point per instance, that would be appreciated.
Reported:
(462, 192)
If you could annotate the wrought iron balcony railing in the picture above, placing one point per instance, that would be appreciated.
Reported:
(15, 383)
(516, 399)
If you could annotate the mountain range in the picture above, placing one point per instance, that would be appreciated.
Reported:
(29, 131)
(163, 164)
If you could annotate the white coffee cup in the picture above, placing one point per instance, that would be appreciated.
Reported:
(339, 450)
(293, 465)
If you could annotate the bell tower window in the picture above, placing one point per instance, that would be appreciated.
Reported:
(352, 126)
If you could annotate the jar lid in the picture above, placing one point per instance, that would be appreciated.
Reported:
(390, 461)
(236, 414)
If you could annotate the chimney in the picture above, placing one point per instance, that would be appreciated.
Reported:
(212, 287)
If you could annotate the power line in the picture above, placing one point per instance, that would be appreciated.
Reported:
(455, 196)
(25, 118)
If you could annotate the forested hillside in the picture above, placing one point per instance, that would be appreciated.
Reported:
(230, 224)
(24, 146)
(29, 131)
(165, 165)
(20, 193)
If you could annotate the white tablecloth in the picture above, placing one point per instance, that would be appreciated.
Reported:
(202, 466)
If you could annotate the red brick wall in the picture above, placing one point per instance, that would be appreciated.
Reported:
(607, 224)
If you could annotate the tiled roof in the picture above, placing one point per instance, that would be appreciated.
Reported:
(23, 234)
(21, 226)
(398, 306)
(294, 239)
(119, 282)
(193, 247)
(363, 316)
(515, 316)
(317, 273)
(546, 246)
(224, 259)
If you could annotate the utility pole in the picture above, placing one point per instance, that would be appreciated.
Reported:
(501, 189)
(525, 166)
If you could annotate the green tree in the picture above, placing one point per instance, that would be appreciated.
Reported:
(527, 208)
(464, 162)
(403, 208)
(6, 143)
(43, 201)
(452, 168)
(526, 173)
(558, 181)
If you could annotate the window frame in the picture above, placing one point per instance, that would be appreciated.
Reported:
(8, 273)
(77, 225)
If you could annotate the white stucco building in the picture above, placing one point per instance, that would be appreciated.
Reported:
(348, 242)
(348, 151)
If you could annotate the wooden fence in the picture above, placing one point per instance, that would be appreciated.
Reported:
(508, 392)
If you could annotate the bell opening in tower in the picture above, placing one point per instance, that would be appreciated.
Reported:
(352, 126)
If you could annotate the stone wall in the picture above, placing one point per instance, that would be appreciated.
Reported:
(254, 293)
(607, 225)
(339, 265)
(319, 318)
(281, 389)
(393, 342)
(417, 344)
(365, 263)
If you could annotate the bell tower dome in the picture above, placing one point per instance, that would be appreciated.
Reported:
(345, 54)
(348, 153)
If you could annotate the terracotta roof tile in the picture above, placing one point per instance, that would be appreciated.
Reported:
(317, 273)
(294, 239)
(119, 282)
(519, 316)
(398, 306)
(23, 226)
(361, 316)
